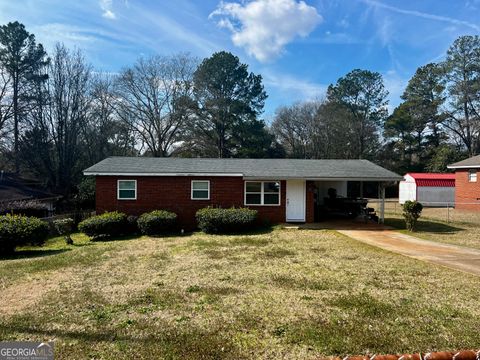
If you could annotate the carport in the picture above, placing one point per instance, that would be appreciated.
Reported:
(308, 183)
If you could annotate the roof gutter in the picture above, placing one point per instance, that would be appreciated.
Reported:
(463, 167)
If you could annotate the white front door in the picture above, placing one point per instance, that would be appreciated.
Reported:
(295, 201)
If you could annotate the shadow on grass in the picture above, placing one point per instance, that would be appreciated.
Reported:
(172, 342)
(254, 231)
(423, 225)
(23, 254)
(102, 239)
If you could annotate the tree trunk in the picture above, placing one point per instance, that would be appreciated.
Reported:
(15, 124)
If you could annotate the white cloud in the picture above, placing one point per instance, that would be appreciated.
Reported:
(265, 27)
(51, 33)
(106, 6)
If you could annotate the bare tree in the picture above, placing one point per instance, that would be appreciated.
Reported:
(152, 98)
(294, 126)
(104, 134)
(316, 129)
(51, 145)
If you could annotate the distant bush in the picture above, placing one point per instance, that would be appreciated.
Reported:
(25, 208)
(157, 222)
(217, 220)
(18, 230)
(105, 225)
(411, 212)
(65, 227)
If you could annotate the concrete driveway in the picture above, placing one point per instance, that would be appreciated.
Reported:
(455, 257)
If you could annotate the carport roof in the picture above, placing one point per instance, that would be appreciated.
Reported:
(247, 168)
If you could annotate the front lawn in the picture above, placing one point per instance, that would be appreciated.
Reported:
(456, 232)
(281, 294)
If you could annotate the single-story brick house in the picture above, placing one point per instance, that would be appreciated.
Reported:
(282, 190)
(467, 186)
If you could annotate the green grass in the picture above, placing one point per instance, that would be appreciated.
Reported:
(295, 294)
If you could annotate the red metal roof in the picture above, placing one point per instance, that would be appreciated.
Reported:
(433, 179)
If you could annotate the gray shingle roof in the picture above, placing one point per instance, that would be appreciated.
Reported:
(470, 162)
(248, 168)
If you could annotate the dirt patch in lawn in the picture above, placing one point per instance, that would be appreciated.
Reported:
(25, 294)
(119, 271)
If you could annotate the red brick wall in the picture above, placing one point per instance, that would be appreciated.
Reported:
(466, 192)
(173, 193)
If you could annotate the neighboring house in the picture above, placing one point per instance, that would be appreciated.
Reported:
(15, 191)
(428, 188)
(467, 184)
(282, 190)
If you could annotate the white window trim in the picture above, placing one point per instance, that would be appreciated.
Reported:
(118, 189)
(472, 173)
(262, 192)
(191, 189)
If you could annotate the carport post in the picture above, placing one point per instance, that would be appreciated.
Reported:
(381, 195)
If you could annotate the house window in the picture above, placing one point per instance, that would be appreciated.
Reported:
(262, 193)
(200, 190)
(472, 175)
(127, 190)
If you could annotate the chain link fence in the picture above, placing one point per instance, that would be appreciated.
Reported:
(446, 212)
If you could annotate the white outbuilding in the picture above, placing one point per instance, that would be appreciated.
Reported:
(430, 189)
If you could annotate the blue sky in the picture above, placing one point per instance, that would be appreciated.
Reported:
(299, 47)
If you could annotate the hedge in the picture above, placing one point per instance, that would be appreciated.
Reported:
(18, 230)
(157, 222)
(217, 220)
(105, 225)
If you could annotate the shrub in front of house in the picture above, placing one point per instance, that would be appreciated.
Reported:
(65, 228)
(18, 230)
(411, 212)
(105, 225)
(157, 222)
(220, 221)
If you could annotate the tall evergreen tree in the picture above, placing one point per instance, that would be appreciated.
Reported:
(363, 94)
(22, 58)
(463, 90)
(425, 96)
(227, 98)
